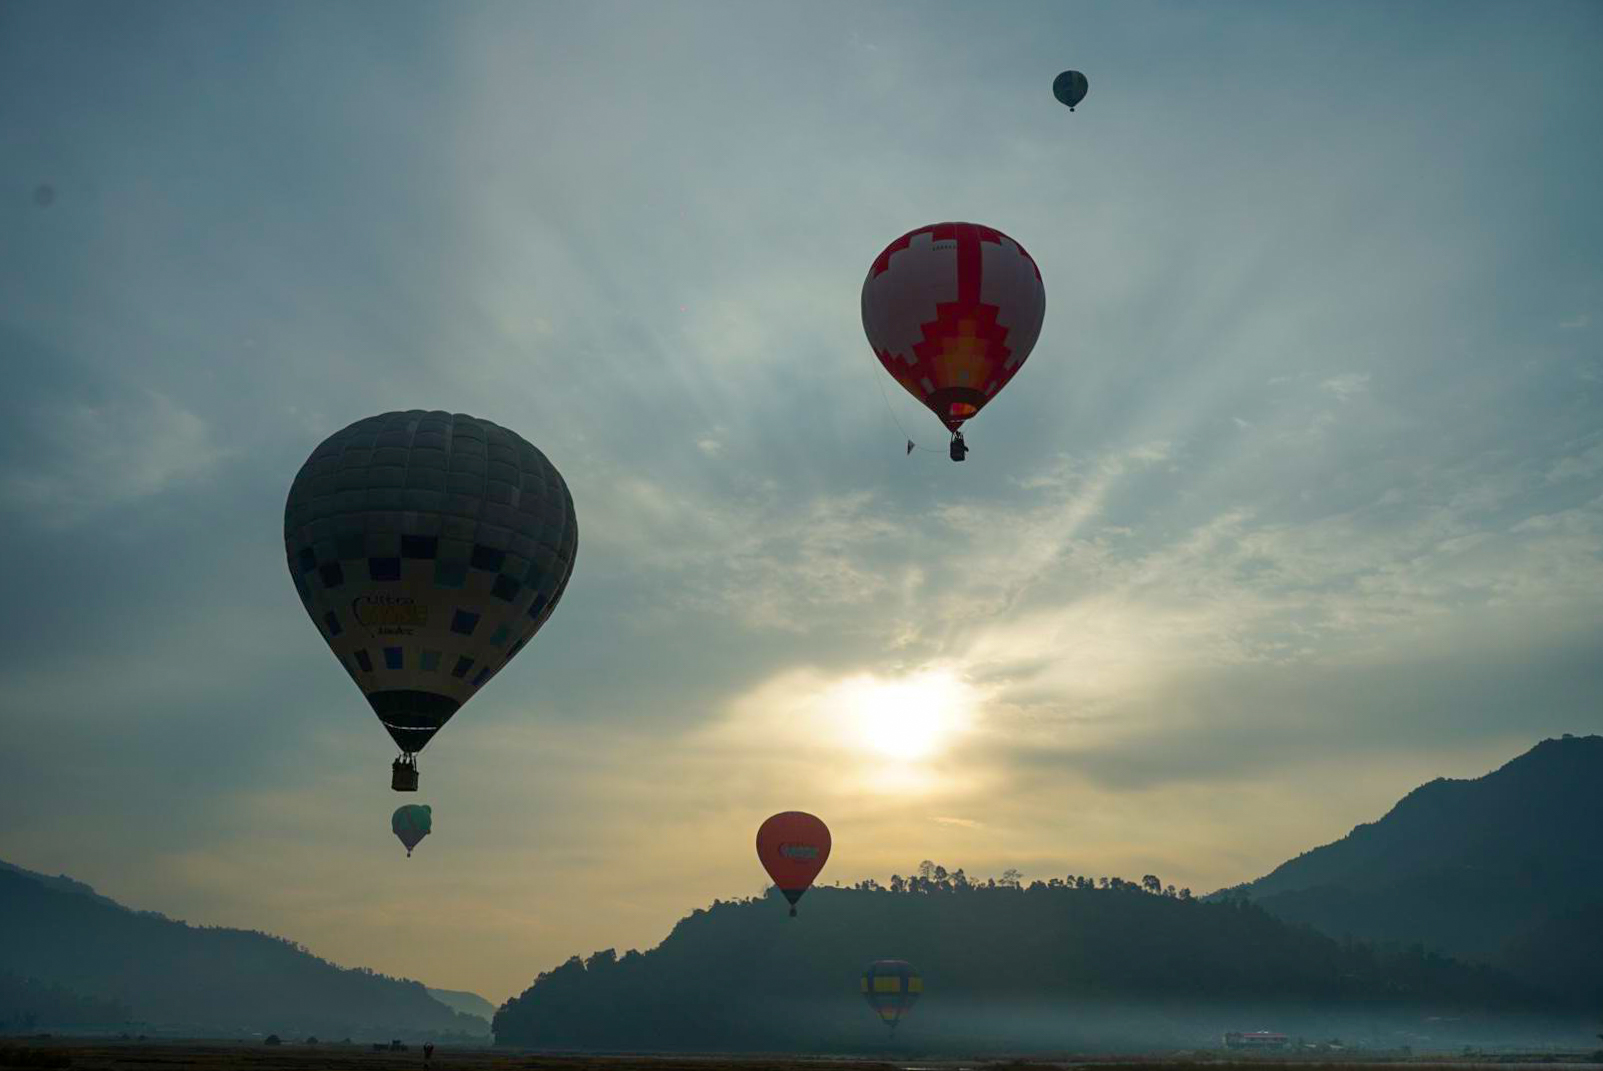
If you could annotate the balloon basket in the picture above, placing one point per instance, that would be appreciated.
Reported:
(403, 774)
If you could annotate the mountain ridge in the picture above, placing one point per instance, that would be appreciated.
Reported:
(1506, 868)
(1345, 937)
(465, 1002)
(64, 884)
(1502, 868)
(211, 981)
(1415, 821)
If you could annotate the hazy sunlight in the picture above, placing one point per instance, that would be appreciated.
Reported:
(907, 719)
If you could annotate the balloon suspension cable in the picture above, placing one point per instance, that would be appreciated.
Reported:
(879, 382)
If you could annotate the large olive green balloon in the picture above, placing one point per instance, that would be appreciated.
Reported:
(428, 548)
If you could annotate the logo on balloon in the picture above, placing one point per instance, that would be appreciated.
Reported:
(798, 851)
(389, 615)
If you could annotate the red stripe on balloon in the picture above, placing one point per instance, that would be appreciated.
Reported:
(969, 264)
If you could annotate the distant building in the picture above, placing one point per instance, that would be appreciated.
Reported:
(1255, 1039)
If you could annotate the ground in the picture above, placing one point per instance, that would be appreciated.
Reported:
(84, 1054)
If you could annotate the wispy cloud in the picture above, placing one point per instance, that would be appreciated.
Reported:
(1347, 385)
(84, 459)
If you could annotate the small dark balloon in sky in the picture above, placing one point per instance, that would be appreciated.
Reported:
(1070, 88)
(44, 195)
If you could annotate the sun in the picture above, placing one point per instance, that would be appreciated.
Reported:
(907, 719)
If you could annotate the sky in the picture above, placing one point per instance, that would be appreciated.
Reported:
(1297, 504)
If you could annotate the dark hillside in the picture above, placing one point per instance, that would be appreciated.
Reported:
(210, 980)
(27, 1005)
(1467, 867)
(1543, 805)
(464, 1002)
(62, 883)
(1050, 966)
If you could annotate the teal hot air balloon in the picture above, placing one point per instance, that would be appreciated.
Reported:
(891, 987)
(411, 823)
(428, 548)
(1070, 88)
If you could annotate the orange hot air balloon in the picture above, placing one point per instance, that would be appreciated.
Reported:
(793, 847)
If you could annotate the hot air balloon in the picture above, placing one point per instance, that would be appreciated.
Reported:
(793, 847)
(428, 549)
(891, 986)
(1070, 87)
(952, 311)
(412, 823)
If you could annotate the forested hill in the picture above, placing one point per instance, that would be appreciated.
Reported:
(1505, 868)
(1545, 803)
(62, 883)
(466, 1003)
(1056, 965)
(65, 952)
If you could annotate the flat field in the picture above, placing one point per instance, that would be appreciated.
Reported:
(84, 1054)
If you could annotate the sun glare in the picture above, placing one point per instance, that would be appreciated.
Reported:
(907, 719)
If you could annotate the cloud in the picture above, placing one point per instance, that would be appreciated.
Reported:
(1346, 385)
(948, 820)
(1586, 465)
(84, 459)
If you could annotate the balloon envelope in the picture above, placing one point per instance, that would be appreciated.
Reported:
(952, 311)
(1070, 87)
(428, 548)
(412, 823)
(793, 847)
(891, 986)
